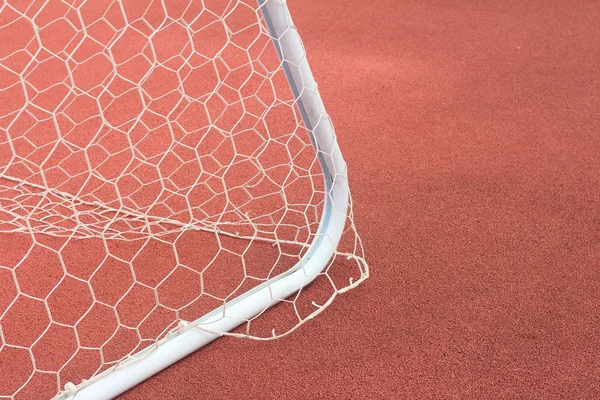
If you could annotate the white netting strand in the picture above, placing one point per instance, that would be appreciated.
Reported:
(154, 165)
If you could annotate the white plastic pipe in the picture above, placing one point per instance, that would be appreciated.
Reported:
(180, 344)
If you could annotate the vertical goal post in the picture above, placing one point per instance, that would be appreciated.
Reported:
(32, 205)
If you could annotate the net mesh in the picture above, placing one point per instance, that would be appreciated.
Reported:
(153, 166)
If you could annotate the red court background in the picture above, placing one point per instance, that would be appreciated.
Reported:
(471, 133)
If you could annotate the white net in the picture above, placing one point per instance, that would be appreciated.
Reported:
(154, 165)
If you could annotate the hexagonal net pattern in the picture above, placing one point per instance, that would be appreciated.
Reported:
(154, 165)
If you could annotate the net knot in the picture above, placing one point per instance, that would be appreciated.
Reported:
(70, 388)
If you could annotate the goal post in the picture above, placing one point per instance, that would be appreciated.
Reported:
(113, 187)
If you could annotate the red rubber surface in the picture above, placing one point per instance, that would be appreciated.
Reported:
(471, 130)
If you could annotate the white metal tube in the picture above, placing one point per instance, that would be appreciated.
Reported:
(178, 345)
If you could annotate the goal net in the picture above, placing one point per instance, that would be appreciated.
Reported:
(167, 174)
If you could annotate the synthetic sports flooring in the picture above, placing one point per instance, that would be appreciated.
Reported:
(471, 133)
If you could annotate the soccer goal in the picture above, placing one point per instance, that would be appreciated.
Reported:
(168, 175)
